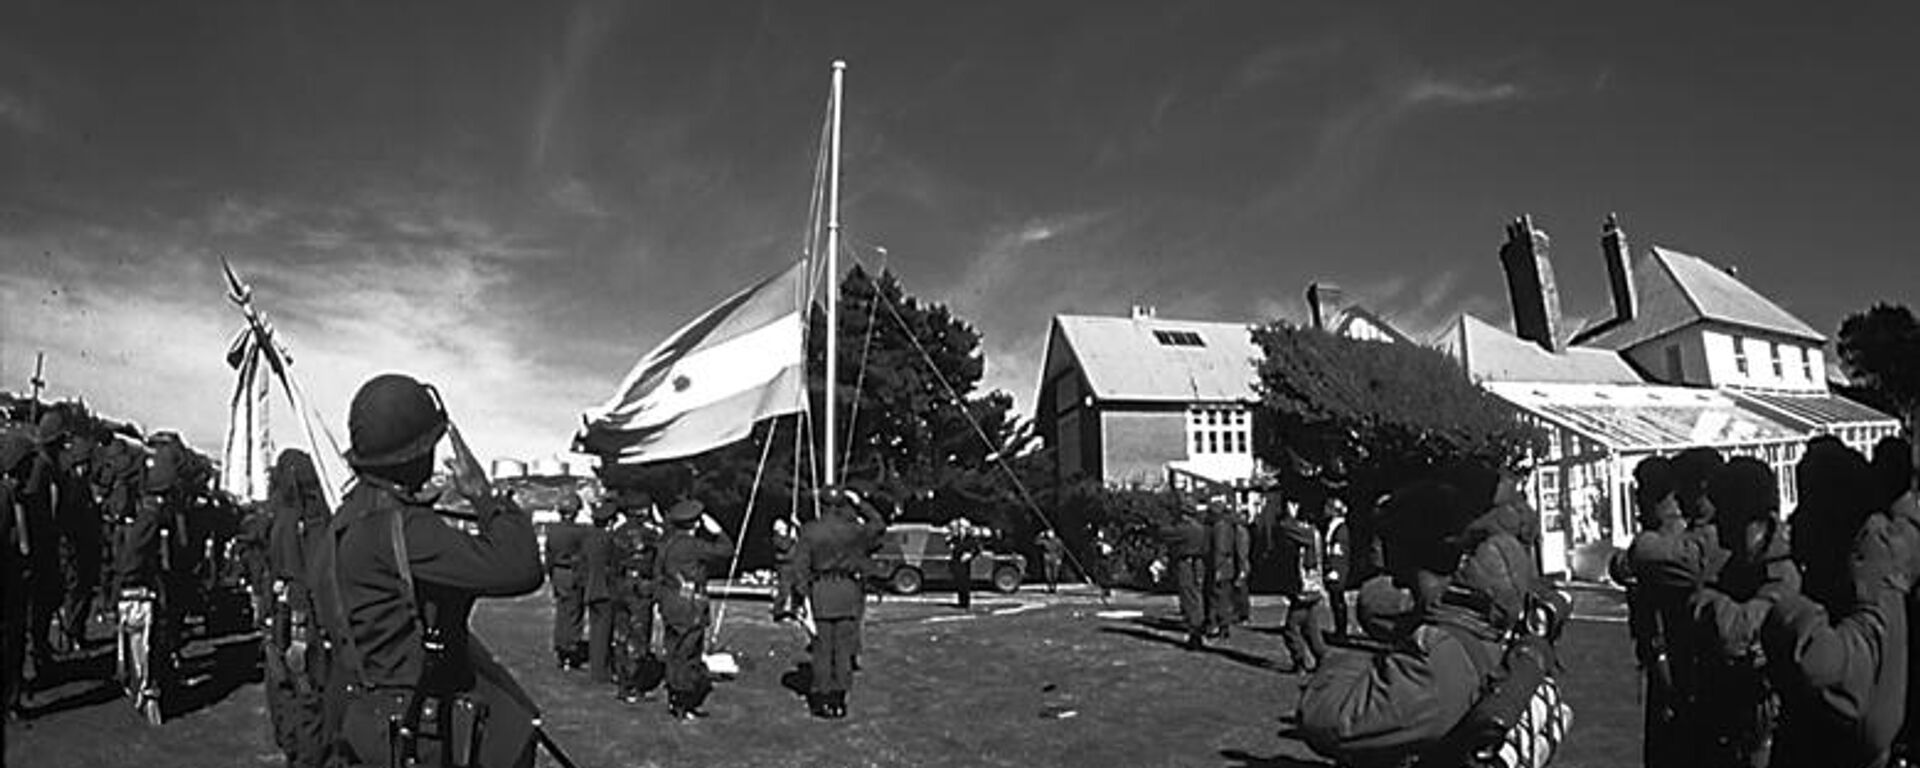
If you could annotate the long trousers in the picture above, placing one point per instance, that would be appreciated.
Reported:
(1190, 576)
(600, 639)
(1301, 633)
(686, 670)
(833, 649)
(567, 614)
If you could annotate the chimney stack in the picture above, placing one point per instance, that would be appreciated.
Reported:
(1613, 245)
(1530, 286)
(1323, 302)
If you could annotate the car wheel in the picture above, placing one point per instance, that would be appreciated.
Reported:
(906, 581)
(1006, 579)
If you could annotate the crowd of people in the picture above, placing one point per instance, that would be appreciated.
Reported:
(1776, 642)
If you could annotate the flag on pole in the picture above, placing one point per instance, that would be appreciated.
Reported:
(708, 383)
(250, 448)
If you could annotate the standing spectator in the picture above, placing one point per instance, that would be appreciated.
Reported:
(636, 544)
(785, 536)
(963, 542)
(1301, 583)
(1051, 550)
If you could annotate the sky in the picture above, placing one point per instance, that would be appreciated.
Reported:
(515, 201)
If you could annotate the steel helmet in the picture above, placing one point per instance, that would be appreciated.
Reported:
(394, 419)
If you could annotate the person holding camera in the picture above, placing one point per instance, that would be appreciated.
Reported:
(394, 583)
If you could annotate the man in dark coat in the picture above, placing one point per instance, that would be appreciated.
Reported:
(40, 496)
(564, 566)
(1051, 551)
(636, 544)
(296, 663)
(394, 584)
(596, 590)
(693, 542)
(829, 561)
(1187, 543)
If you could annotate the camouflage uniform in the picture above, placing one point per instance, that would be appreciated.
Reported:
(636, 542)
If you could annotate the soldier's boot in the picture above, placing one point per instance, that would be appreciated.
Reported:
(817, 705)
(1194, 642)
(839, 704)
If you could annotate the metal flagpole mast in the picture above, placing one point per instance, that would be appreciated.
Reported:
(833, 273)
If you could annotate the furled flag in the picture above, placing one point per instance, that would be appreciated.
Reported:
(264, 366)
(708, 383)
(249, 450)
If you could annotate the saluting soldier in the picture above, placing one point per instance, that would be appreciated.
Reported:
(636, 546)
(394, 584)
(694, 540)
(828, 561)
(564, 540)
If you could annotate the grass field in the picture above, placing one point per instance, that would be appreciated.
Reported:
(1022, 680)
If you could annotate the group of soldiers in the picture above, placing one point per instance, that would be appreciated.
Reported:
(1771, 641)
(100, 527)
(1211, 554)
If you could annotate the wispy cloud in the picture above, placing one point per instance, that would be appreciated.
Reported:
(587, 28)
(20, 115)
(1432, 90)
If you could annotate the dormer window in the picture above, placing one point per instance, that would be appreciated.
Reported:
(1179, 339)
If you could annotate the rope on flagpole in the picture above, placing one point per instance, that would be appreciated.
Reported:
(746, 524)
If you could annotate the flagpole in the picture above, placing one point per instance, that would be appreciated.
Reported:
(833, 274)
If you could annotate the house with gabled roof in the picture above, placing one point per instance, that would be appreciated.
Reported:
(1124, 400)
(1692, 356)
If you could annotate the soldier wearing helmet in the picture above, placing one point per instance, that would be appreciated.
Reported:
(393, 584)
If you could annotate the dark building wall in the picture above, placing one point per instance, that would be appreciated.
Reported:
(1139, 439)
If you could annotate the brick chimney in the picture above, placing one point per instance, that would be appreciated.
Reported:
(1530, 287)
(1613, 245)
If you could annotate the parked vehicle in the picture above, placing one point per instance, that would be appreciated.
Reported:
(913, 555)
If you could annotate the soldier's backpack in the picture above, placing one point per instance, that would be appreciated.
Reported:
(1519, 718)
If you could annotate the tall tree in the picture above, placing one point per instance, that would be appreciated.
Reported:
(1360, 418)
(1881, 350)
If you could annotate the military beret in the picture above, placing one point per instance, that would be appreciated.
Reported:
(1743, 491)
(685, 511)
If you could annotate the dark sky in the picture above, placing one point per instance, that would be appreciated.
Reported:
(516, 200)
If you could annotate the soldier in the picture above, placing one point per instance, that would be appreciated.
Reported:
(564, 540)
(1666, 567)
(1186, 540)
(1051, 551)
(829, 561)
(1302, 584)
(636, 544)
(596, 590)
(1222, 568)
(39, 496)
(785, 536)
(962, 544)
(1737, 706)
(680, 580)
(296, 664)
(145, 568)
(393, 585)
(1242, 564)
(14, 450)
(79, 523)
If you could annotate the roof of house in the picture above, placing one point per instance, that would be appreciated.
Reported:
(1147, 358)
(1349, 318)
(1675, 289)
(1627, 417)
(1489, 353)
(1814, 410)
